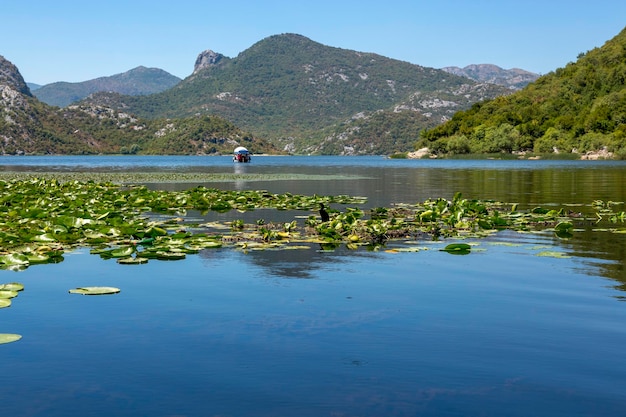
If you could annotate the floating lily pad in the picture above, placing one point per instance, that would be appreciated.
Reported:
(12, 286)
(9, 337)
(8, 294)
(14, 259)
(458, 248)
(38, 258)
(122, 252)
(95, 290)
(44, 238)
(132, 261)
(211, 245)
(564, 230)
(5, 302)
(170, 256)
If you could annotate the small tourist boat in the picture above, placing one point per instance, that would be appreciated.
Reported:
(241, 154)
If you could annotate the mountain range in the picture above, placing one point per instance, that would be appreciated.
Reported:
(137, 81)
(299, 96)
(29, 126)
(302, 95)
(514, 78)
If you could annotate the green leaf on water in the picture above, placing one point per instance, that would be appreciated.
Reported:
(95, 290)
(8, 294)
(9, 337)
(5, 302)
(170, 256)
(564, 229)
(132, 260)
(44, 238)
(14, 259)
(458, 248)
(38, 258)
(122, 252)
(12, 286)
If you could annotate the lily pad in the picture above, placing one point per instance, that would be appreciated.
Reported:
(9, 337)
(38, 258)
(170, 256)
(12, 286)
(14, 259)
(132, 260)
(564, 230)
(5, 302)
(95, 290)
(458, 248)
(8, 294)
(122, 252)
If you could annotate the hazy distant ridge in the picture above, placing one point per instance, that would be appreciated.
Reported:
(514, 78)
(137, 81)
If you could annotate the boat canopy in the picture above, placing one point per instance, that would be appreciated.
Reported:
(241, 149)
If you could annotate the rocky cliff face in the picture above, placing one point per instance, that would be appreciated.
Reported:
(13, 94)
(206, 59)
(10, 76)
(29, 126)
(514, 78)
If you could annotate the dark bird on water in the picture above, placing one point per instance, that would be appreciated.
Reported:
(324, 214)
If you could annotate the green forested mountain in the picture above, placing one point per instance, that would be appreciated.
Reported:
(578, 108)
(29, 126)
(138, 81)
(307, 98)
(293, 91)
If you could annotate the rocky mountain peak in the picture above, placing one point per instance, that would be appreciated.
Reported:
(207, 59)
(514, 78)
(11, 77)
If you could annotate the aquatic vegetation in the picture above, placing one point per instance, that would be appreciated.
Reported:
(458, 248)
(7, 292)
(10, 290)
(94, 290)
(9, 337)
(42, 218)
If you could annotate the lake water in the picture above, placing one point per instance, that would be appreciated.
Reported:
(354, 333)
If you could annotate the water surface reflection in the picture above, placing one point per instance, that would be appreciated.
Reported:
(502, 331)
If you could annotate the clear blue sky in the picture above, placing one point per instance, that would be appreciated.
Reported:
(62, 40)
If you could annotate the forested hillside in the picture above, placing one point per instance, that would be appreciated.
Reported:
(28, 126)
(291, 90)
(578, 108)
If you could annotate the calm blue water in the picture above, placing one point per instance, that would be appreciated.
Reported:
(195, 162)
(500, 332)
